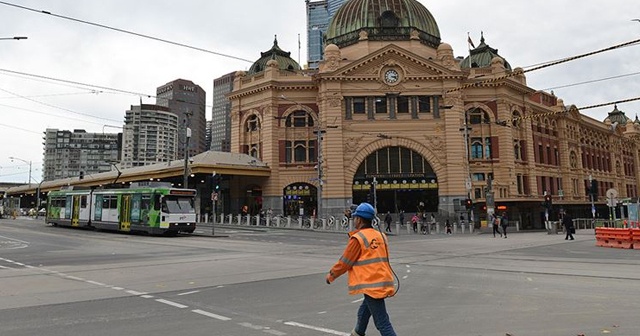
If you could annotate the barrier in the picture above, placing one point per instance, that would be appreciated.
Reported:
(617, 238)
(635, 237)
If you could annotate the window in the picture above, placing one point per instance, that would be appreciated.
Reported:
(477, 116)
(299, 119)
(381, 104)
(516, 150)
(302, 151)
(476, 148)
(424, 104)
(253, 124)
(478, 176)
(359, 105)
(403, 104)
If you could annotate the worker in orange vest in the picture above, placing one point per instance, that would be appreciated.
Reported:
(366, 258)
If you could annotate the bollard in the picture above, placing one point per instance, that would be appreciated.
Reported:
(398, 228)
(455, 228)
(437, 228)
(471, 228)
(324, 224)
(300, 222)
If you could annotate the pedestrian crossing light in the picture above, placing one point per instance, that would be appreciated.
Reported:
(468, 203)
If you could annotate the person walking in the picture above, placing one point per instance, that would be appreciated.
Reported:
(495, 223)
(387, 220)
(414, 222)
(401, 217)
(366, 259)
(567, 222)
(447, 225)
(504, 223)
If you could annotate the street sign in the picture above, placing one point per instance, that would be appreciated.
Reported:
(214, 196)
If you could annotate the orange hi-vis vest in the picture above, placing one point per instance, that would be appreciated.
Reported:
(371, 274)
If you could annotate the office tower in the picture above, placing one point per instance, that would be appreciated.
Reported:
(150, 135)
(187, 100)
(76, 153)
(319, 15)
(221, 113)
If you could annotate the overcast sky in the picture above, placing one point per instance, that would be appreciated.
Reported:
(525, 33)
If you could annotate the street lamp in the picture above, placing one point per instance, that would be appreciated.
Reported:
(14, 38)
(25, 161)
(187, 135)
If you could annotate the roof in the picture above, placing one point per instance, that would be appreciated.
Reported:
(382, 20)
(207, 162)
(283, 58)
(482, 56)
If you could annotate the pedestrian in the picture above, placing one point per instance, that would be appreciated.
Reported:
(495, 223)
(387, 220)
(567, 222)
(432, 223)
(414, 222)
(447, 225)
(504, 223)
(401, 217)
(366, 259)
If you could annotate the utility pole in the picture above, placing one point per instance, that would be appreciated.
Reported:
(187, 135)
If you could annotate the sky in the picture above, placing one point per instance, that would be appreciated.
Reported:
(108, 71)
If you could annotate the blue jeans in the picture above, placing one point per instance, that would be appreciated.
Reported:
(376, 308)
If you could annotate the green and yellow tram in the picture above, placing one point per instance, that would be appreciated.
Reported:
(155, 209)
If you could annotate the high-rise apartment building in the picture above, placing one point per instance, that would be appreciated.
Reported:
(221, 113)
(77, 153)
(319, 15)
(187, 100)
(150, 135)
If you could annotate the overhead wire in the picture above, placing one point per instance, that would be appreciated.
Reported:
(124, 31)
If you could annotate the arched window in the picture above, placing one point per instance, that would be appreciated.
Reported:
(253, 123)
(299, 119)
(477, 116)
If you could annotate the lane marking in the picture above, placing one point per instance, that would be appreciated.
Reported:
(146, 296)
(3, 267)
(96, 283)
(171, 303)
(274, 332)
(212, 315)
(187, 293)
(75, 278)
(132, 292)
(320, 329)
(117, 288)
(18, 240)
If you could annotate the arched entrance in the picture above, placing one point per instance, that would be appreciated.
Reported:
(299, 199)
(405, 181)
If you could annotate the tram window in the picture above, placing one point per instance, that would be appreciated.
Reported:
(83, 202)
(105, 202)
(156, 202)
(145, 202)
(113, 204)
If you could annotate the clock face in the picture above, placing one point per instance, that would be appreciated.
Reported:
(391, 76)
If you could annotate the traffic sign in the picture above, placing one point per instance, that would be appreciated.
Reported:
(214, 196)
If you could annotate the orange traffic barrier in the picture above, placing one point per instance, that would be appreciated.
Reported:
(618, 238)
(635, 237)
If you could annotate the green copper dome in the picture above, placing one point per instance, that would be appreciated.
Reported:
(285, 62)
(382, 20)
(481, 57)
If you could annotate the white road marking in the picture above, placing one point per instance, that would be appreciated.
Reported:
(187, 293)
(274, 332)
(212, 315)
(320, 329)
(171, 303)
(146, 296)
(20, 264)
(4, 267)
(96, 283)
(18, 240)
(117, 288)
(75, 278)
(132, 292)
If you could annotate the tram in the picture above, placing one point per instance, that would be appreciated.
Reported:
(151, 208)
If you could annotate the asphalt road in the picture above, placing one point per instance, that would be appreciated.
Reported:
(58, 281)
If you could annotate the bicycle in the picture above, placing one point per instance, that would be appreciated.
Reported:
(306, 223)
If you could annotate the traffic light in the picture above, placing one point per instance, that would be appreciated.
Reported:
(548, 201)
(594, 190)
(81, 175)
(468, 203)
(216, 180)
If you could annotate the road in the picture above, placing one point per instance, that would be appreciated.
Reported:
(59, 281)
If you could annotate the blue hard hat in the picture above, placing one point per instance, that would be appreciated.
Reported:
(365, 210)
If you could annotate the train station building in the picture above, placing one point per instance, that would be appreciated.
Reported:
(392, 116)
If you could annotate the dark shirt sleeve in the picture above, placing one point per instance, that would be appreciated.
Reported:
(350, 255)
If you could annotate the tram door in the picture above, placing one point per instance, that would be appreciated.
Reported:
(125, 213)
(75, 212)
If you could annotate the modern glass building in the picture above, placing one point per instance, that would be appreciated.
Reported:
(221, 114)
(319, 14)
